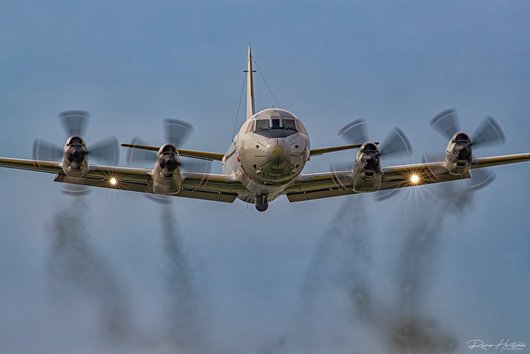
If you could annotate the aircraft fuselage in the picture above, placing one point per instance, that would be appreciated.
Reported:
(268, 153)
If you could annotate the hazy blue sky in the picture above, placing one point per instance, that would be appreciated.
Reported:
(269, 282)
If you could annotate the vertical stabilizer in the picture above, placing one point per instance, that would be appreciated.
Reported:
(250, 86)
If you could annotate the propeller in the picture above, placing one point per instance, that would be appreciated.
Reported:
(43, 150)
(395, 144)
(74, 124)
(176, 133)
(488, 133)
(106, 150)
(354, 132)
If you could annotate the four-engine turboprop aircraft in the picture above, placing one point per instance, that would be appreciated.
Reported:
(266, 159)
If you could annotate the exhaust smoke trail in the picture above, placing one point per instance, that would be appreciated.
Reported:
(343, 253)
(76, 266)
(182, 315)
(345, 257)
(342, 260)
(423, 241)
(405, 325)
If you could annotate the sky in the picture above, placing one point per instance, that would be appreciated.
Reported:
(113, 271)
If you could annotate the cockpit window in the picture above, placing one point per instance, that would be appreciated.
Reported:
(274, 123)
(262, 124)
(289, 124)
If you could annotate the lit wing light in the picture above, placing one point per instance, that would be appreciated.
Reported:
(415, 179)
(113, 181)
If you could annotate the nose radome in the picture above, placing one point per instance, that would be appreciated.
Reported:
(277, 151)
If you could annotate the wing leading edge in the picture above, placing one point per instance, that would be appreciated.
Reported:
(206, 155)
(203, 155)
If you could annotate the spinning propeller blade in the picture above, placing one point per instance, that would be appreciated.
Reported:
(45, 151)
(138, 155)
(396, 143)
(355, 132)
(480, 178)
(74, 122)
(106, 150)
(488, 133)
(446, 123)
(177, 132)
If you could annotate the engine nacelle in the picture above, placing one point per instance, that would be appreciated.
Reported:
(166, 174)
(367, 169)
(458, 155)
(75, 157)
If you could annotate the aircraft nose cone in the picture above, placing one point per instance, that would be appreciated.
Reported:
(277, 151)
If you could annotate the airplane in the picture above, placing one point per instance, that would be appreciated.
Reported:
(266, 158)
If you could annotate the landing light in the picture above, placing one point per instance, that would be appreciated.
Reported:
(415, 179)
(113, 181)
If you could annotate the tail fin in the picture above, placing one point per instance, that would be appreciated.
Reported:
(250, 86)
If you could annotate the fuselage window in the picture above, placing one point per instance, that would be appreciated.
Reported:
(262, 124)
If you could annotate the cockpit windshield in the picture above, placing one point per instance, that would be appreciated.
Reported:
(275, 123)
(263, 124)
(289, 124)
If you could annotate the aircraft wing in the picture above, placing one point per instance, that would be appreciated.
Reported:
(325, 150)
(337, 183)
(203, 155)
(205, 186)
(31, 165)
